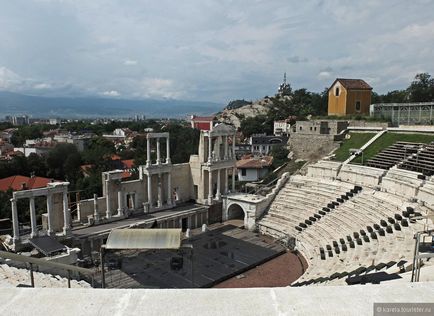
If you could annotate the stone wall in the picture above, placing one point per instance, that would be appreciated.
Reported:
(311, 147)
(324, 169)
(86, 208)
(402, 182)
(361, 175)
(426, 193)
(354, 123)
(182, 181)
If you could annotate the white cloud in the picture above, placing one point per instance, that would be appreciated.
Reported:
(211, 50)
(160, 88)
(130, 62)
(42, 86)
(111, 93)
(9, 79)
(323, 75)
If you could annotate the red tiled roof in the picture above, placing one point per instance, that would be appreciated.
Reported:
(128, 163)
(203, 118)
(115, 157)
(255, 163)
(353, 84)
(16, 183)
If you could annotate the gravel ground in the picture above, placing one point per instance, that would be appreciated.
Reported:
(278, 272)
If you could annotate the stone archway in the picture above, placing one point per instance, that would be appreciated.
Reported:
(235, 211)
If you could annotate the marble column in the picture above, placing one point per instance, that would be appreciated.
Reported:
(218, 194)
(120, 204)
(159, 191)
(226, 147)
(50, 213)
(150, 191)
(108, 213)
(234, 170)
(217, 147)
(226, 182)
(209, 148)
(158, 152)
(169, 189)
(168, 150)
(34, 232)
(15, 223)
(210, 187)
(66, 214)
(95, 208)
(233, 147)
(148, 152)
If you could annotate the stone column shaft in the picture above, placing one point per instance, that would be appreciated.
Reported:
(158, 151)
(167, 150)
(66, 214)
(217, 147)
(15, 223)
(95, 208)
(148, 152)
(218, 194)
(49, 213)
(120, 204)
(33, 218)
(226, 182)
(150, 191)
(210, 187)
(159, 191)
(233, 147)
(233, 179)
(169, 189)
(108, 213)
(209, 148)
(226, 147)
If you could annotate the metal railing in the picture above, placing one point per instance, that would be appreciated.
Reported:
(36, 261)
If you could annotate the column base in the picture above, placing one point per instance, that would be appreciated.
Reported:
(218, 196)
(209, 200)
(67, 231)
(120, 212)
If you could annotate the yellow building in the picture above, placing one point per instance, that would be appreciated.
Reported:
(349, 96)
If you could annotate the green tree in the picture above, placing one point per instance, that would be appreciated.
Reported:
(63, 162)
(36, 165)
(257, 124)
(422, 88)
(280, 155)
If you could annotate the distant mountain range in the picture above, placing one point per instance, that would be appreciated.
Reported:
(80, 107)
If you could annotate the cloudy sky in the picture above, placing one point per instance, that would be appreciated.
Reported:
(209, 50)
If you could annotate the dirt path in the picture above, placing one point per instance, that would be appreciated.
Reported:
(278, 272)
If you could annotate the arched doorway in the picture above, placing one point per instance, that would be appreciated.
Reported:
(235, 212)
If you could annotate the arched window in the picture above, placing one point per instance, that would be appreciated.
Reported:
(358, 106)
(337, 91)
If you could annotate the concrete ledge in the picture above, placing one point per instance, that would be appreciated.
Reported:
(324, 169)
(361, 175)
(326, 300)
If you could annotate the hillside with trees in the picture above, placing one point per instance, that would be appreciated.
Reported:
(301, 104)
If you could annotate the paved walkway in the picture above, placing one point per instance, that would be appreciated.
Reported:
(309, 300)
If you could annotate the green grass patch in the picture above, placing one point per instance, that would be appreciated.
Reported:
(389, 139)
(356, 140)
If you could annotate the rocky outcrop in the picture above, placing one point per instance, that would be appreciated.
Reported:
(235, 116)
